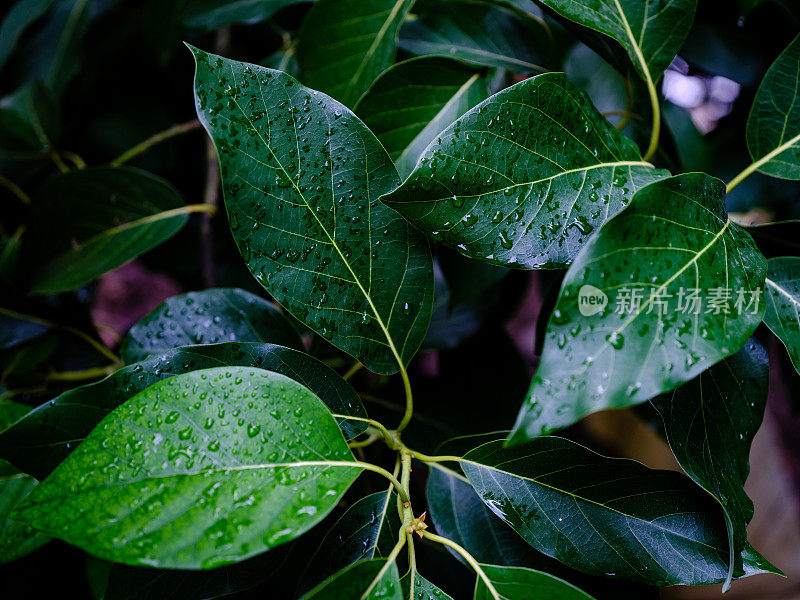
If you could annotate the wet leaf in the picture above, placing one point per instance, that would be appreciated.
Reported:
(39, 442)
(208, 317)
(524, 178)
(368, 529)
(413, 101)
(353, 581)
(422, 589)
(519, 583)
(459, 514)
(344, 45)
(16, 539)
(672, 280)
(90, 221)
(198, 471)
(302, 177)
(710, 423)
(475, 33)
(605, 516)
(650, 31)
(783, 303)
(773, 128)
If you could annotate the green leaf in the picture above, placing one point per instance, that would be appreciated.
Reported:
(710, 423)
(90, 221)
(603, 516)
(302, 177)
(208, 317)
(459, 514)
(783, 303)
(16, 539)
(208, 15)
(29, 119)
(17, 19)
(354, 580)
(368, 529)
(773, 128)
(422, 588)
(54, 54)
(344, 45)
(524, 178)
(474, 33)
(519, 583)
(198, 471)
(47, 435)
(650, 31)
(673, 239)
(413, 101)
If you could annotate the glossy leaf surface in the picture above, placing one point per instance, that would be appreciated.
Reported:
(525, 177)
(459, 514)
(208, 317)
(198, 471)
(422, 589)
(782, 291)
(413, 101)
(650, 31)
(773, 128)
(710, 423)
(519, 583)
(213, 14)
(368, 529)
(345, 44)
(478, 34)
(48, 434)
(16, 539)
(90, 221)
(604, 516)
(302, 177)
(638, 341)
(354, 580)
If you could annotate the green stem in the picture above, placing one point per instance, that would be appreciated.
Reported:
(756, 165)
(352, 371)
(84, 374)
(409, 399)
(144, 146)
(389, 561)
(468, 557)
(387, 436)
(76, 332)
(15, 189)
(651, 87)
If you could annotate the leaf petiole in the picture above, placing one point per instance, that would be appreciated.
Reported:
(468, 557)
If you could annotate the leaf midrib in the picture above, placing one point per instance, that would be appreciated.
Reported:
(378, 39)
(587, 500)
(286, 174)
(607, 344)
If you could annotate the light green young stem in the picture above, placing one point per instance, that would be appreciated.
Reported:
(153, 140)
(756, 165)
(468, 557)
(651, 87)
